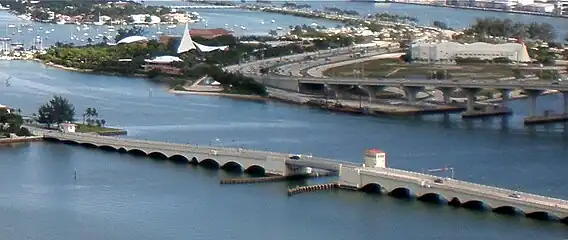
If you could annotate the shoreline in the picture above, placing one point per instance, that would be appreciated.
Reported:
(346, 109)
(6, 141)
(484, 9)
(219, 94)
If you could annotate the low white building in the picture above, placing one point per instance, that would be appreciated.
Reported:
(449, 51)
(67, 127)
(540, 7)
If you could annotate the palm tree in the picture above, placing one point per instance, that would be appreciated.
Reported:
(87, 115)
(94, 113)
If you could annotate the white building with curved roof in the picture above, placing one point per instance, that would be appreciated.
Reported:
(449, 51)
(132, 39)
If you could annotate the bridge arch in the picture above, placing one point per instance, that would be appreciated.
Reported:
(108, 148)
(177, 158)
(70, 142)
(432, 197)
(210, 163)
(122, 150)
(255, 170)
(232, 166)
(540, 215)
(158, 155)
(401, 192)
(475, 205)
(372, 188)
(507, 210)
(137, 152)
(89, 145)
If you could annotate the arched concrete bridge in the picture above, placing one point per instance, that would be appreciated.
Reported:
(454, 191)
(351, 175)
(270, 162)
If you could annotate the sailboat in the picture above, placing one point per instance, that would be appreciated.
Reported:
(99, 22)
(159, 32)
(8, 83)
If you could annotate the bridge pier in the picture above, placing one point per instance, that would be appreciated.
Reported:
(470, 94)
(565, 95)
(533, 95)
(335, 90)
(505, 96)
(447, 94)
(371, 91)
(548, 117)
(411, 93)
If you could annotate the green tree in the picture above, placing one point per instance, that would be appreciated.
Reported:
(57, 110)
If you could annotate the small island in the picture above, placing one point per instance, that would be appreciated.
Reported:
(11, 130)
(59, 114)
(196, 69)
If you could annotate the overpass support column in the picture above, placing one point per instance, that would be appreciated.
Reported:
(505, 96)
(411, 93)
(371, 91)
(470, 94)
(447, 94)
(565, 94)
(533, 95)
(336, 90)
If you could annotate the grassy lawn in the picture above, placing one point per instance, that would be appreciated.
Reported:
(84, 128)
(395, 68)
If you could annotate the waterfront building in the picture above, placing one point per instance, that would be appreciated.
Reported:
(163, 64)
(67, 127)
(449, 51)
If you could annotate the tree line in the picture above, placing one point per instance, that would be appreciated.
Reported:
(485, 27)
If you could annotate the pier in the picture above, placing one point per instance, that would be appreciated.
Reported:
(351, 175)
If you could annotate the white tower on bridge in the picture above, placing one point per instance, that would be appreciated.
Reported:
(375, 158)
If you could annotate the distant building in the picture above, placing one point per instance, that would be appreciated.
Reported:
(450, 51)
(5, 107)
(164, 64)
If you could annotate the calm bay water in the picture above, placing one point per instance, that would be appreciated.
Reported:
(118, 196)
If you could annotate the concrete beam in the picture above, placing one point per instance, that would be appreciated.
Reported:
(411, 93)
(532, 94)
(470, 94)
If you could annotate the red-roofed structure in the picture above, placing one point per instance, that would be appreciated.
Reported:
(209, 33)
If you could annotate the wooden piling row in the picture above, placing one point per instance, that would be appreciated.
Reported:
(312, 188)
(253, 180)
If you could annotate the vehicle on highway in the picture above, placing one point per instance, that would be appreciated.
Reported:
(515, 195)
(439, 180)
(299, 156)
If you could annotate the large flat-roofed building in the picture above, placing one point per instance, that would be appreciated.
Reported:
(450, 51)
